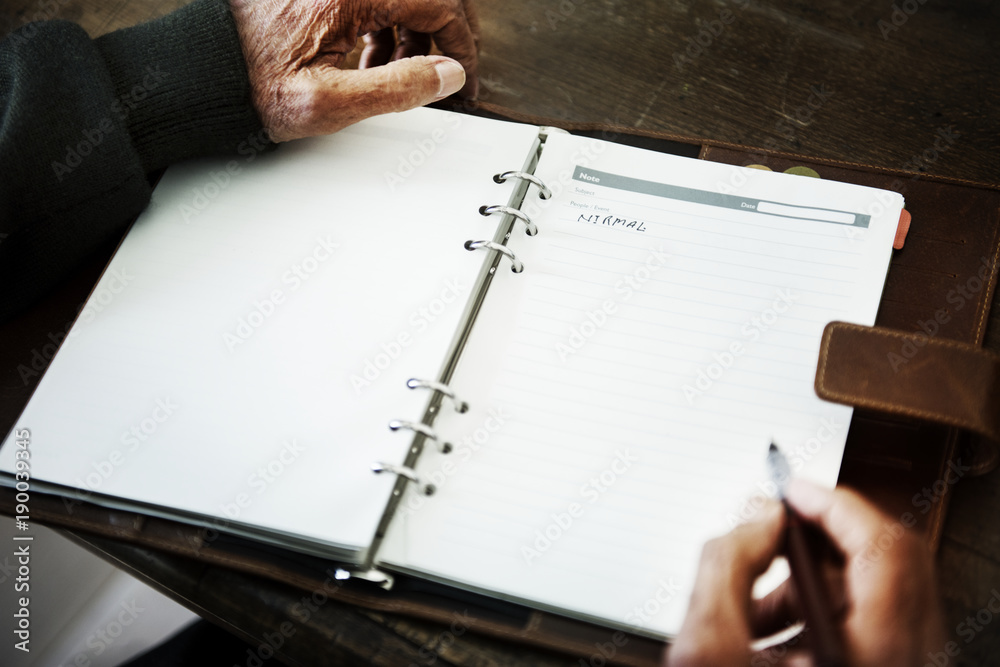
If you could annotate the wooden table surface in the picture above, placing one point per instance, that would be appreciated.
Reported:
(858, 80)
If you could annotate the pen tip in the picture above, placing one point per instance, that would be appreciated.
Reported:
(772, 448)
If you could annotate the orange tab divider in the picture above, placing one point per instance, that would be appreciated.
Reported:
(901, 229)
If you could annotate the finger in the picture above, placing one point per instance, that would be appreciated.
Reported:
(379, 46)
(853, 525)
(775, 611)
(784, 657)
(716, 629)
(412, 43)
(472, 18)
(779, 609)
(889, 584)
(448, 24)
(326, 99)
(850, 521)
(834, 579)
(456, 41)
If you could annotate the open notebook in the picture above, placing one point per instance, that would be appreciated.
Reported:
(241, 359)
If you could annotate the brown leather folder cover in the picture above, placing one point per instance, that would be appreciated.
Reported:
(907, 465)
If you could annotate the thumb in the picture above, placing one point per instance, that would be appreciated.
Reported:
(335, 98)
(717, 627)
(408, 82)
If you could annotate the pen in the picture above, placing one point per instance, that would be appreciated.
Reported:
(828, 650)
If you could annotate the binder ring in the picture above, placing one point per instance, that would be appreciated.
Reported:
(530, 228)
(423, 429)
(404, 471)
(416, 383)
(543, 190)
(516, 265)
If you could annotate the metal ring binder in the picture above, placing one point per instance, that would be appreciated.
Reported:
(416, 383)
(543, 190)
(516, 265)
(403, 471)
(529, 227)
(423, 429)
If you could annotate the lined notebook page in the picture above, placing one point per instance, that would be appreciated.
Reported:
(244, 351)
(626, 386)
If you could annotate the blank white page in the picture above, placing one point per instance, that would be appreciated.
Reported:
(246, 347)
(626, 386)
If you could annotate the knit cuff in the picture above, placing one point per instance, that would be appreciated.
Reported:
(181, 84)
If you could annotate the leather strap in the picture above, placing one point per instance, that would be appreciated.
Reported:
(911, 374)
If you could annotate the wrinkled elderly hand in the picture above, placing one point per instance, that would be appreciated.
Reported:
(293, 50)
(891, 616)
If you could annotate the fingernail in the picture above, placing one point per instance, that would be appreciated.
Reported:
(768, 512)
(452, 76)
(806, 496)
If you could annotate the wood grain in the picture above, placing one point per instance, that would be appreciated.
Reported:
(641, 63)
(822, 79)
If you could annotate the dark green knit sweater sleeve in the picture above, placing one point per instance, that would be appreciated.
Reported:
(82, 123)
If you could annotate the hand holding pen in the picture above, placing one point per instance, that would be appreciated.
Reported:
(890, 613)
